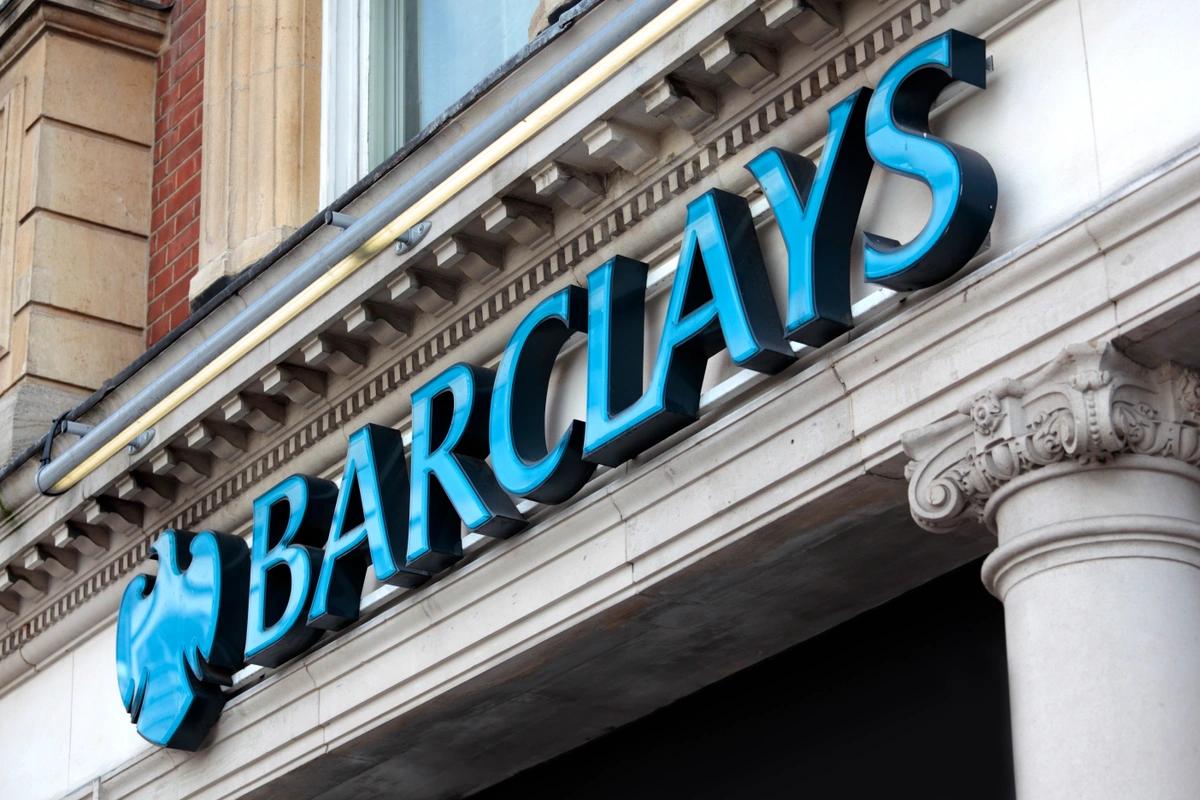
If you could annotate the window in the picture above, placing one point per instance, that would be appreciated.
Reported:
(390, 67)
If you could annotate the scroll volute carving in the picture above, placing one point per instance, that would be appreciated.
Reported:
(1088, 406)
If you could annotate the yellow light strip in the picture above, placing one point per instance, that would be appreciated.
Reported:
(542, 116)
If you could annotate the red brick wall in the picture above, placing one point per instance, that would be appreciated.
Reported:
(175, 219)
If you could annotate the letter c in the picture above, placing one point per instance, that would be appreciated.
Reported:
(523, 463)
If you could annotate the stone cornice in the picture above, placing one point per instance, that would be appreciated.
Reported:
(244, 467)
(1087, 406)
(113, 22)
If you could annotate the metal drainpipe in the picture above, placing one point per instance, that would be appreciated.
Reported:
(352, 238)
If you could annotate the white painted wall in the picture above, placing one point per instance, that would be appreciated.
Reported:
(64, 725)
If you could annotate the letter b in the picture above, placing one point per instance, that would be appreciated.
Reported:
(291, 522)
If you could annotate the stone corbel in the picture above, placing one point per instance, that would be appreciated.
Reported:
(688, 105)
(519, 220)
(1089, 405)
(185, 466)
(747, 62)
(295, 383)
(221, 440)
(10, 603)
(60, 563)
(576, 188)
(630, 148)
(328, 352)
(29, 585)
(381, 323)
(422, 291)
(113, 514)
(256, 411)
(812, 22)
(87, 539)
(477, 260)
(149, 490)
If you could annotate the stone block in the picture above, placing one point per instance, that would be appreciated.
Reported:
(685, 104)
(100, 732)
(98, 87)
(88, 176)
(574, 187)
(297, 384)
(477, 260)
(74, 350)
(37, 724)
(424, 292)
(379, 322)
(69, 264)
(523, 222)
(747, 62)
(260, 176)
(628, 147)
(812, 22)
(27, 411)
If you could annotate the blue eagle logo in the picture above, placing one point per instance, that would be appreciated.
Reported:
(181, 635)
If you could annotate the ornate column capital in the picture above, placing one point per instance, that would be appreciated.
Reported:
(1089, 405)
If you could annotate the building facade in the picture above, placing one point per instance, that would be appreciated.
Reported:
(661, 378)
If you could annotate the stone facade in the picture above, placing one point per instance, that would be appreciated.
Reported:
(784, 512)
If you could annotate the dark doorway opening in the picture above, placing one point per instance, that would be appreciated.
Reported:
(908, 700)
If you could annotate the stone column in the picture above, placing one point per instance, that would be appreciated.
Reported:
(1087, 474)
(262, 124)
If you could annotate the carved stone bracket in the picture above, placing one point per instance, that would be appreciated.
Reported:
(747, 62)
(1088, 405)
(576, 188)
(813, 22)
(688, 105)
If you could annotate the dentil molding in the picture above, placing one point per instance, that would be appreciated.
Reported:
(1088, 406)
(609, 220)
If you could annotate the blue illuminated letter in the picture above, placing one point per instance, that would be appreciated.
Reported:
(817, 209)
(961, 182)
(521, 458)
(727, 303)
(368, 527)
(291, 522)
(450, 480)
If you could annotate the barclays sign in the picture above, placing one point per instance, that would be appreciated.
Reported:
(478, 436)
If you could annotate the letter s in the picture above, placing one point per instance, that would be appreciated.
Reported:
(962, 183)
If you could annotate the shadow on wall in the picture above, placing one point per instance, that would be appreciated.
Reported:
(909, 700)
